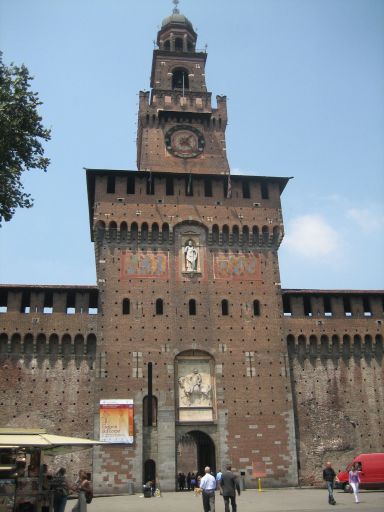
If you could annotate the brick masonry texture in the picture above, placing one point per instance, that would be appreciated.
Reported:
(296, 376)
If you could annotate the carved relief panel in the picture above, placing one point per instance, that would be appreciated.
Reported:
(195, 388)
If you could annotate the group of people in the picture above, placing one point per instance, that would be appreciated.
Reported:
(329, 476)
(226, 482)
(187, 482)
(61, 489)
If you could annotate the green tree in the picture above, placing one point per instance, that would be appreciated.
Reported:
(21, 136)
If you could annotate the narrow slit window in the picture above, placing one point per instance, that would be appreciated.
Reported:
(256, 308)
(159, 307)
(126, 306)
(192, 307)
(224, 307)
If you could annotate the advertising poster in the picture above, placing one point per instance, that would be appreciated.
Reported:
(116, 421)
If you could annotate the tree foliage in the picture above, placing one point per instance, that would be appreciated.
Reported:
(21, 136)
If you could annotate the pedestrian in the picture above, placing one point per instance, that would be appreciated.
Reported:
(189, 481)
(82, 486)
(329, 478)
(60, 488)
(219, 474)
(229, 485)
(208, 487)
(193, 481)
(354, 481)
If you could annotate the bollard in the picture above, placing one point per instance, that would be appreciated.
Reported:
(259, 489)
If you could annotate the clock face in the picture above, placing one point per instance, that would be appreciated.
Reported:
(184, 141)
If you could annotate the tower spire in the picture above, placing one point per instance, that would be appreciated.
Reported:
(175, 9)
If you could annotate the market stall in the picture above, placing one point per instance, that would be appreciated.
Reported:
(24, 481)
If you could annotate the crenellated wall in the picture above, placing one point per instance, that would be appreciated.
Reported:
(337, 376)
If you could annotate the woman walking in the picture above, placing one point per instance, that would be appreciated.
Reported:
(354, 481)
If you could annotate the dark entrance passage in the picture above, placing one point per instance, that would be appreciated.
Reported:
(149, 471)
(195, 450)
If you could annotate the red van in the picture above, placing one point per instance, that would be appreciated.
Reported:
(371, 466)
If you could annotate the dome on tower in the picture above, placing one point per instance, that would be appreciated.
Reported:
(176, 17)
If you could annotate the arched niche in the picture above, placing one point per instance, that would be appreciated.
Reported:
(195, 387)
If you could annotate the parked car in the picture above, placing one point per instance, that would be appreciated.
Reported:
(371, 466)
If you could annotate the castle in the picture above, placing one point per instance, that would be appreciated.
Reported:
(188, 326)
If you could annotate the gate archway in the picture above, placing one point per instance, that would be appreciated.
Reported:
(149, 471)
(195, 450)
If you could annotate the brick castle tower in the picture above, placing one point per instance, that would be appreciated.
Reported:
(190, 324)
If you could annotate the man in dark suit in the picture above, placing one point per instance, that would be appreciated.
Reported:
(229, 485)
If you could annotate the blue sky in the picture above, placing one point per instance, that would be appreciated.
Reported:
(304, 80)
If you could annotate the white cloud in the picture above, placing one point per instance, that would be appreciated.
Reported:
(310, 236)
(369, 219)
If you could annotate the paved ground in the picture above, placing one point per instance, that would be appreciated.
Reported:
(281, 500)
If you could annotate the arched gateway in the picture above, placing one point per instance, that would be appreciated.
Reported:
(195, 450)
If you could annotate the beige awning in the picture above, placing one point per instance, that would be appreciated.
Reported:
(38, 438)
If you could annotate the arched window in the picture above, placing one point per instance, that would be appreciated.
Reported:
(112, 230)
(312, 346)
(53, 345)
(155, 232)
(256, 308)
(149, 420)
(276, 234)
(159, 306)
(100, 230)
(144, 232)
(79, 345)
(324, 345)
(134, 230)
(255, 235)
(215, 234)
(224, 307)
(16, 344)
(235, 234)
(346, 345)
(291, 344)
(41, 344)
(335, 345)
(167, 45)
(225, 235)
(3, 343)
(28, 344)
(192, 307)
(91, 344)
(123, 231)
(180, 79)
(165, 232)
(265, 232)
(66, 345)
(178, 44)
(301, 346)
(245, 235)
(126, 306)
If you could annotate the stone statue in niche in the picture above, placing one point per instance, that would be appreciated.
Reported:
(193, 391)
(191, 257)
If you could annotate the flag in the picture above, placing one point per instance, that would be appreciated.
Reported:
(229, 187)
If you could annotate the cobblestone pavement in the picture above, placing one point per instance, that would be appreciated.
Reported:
(277, 500)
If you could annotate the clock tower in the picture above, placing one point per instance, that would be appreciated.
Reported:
(178, 130)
